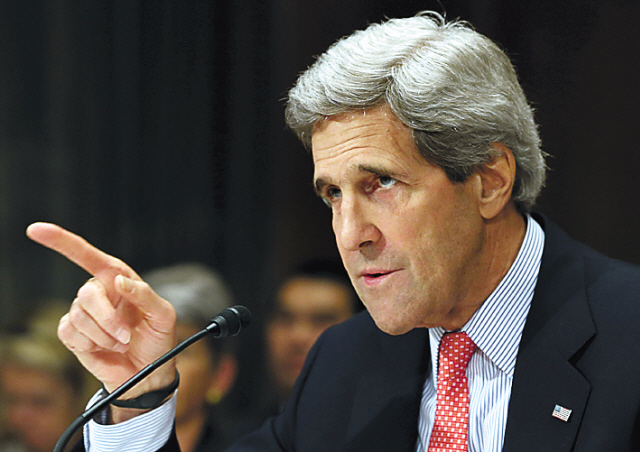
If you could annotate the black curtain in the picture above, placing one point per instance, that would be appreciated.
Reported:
(154, 129)
(138, 124)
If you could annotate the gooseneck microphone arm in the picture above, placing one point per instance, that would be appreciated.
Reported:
(228, 323)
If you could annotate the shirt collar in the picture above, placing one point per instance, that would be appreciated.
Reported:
(496, 327)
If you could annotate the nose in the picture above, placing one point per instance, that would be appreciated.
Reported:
(353, 225)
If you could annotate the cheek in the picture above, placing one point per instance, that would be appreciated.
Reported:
(192, 368)
(406, 231)
(193, 372)
(441, 219)
(277, 339)
(51, 418)
(307, 335)
(194, 380)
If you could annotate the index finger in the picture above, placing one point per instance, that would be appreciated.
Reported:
(77, 250)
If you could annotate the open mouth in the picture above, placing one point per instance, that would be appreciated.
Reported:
(377, 273)
(376, 276)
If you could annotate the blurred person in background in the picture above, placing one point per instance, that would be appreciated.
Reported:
(314, 296)
(43, 387)
(207, 368)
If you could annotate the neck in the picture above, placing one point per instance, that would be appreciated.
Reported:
(504, 235)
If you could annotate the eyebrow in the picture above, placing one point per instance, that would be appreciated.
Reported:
(374, 169)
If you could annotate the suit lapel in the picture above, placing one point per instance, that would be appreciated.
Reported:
(558, 328)
(386, 402)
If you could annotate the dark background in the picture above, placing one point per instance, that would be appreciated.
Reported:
(154, 128)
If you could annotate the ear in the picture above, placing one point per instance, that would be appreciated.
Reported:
(223, 379)
(497, 178)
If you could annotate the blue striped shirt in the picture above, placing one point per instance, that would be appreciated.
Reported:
(496, 328)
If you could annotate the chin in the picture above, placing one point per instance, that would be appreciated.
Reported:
(389, 318)
(393, 326)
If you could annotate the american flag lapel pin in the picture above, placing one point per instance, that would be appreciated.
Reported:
(561, 413)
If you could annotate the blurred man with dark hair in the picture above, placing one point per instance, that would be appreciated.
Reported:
(315, 296)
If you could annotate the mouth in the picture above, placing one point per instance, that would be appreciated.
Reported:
(373, 277)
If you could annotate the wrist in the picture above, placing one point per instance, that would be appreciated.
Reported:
(128, 408)
(159, 378)
(118, 415)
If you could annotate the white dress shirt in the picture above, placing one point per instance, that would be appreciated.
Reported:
(145, 433)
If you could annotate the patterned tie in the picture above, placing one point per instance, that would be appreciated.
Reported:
(450, 429)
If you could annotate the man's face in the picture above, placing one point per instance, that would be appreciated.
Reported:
(38, 405)
(305, 308)
(411, 240)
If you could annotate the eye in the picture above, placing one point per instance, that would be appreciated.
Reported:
(387, 181)
(331, 194)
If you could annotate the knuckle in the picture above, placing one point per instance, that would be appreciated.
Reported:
(89, 289)
(115, 265)
(111, 321)
(76, 315)
(145, 289)
(64, 328)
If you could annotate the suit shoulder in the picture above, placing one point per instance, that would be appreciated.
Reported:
(358, 340)
(613, 291)
(612, 273)
(566, 262)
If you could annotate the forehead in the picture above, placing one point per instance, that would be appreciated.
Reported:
(359, 139)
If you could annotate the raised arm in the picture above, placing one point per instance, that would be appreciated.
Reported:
(117, 324)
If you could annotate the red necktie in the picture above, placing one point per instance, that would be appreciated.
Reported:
(450, 429)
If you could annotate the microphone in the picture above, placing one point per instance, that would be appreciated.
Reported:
(229, 322)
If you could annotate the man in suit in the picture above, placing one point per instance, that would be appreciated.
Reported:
(315, 295)
(427, 153)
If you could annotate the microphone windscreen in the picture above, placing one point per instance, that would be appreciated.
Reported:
(230, 321)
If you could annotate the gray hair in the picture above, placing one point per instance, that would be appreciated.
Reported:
(197, 292)
(453, 87)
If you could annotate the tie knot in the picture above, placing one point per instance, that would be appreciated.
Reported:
(455, 352)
